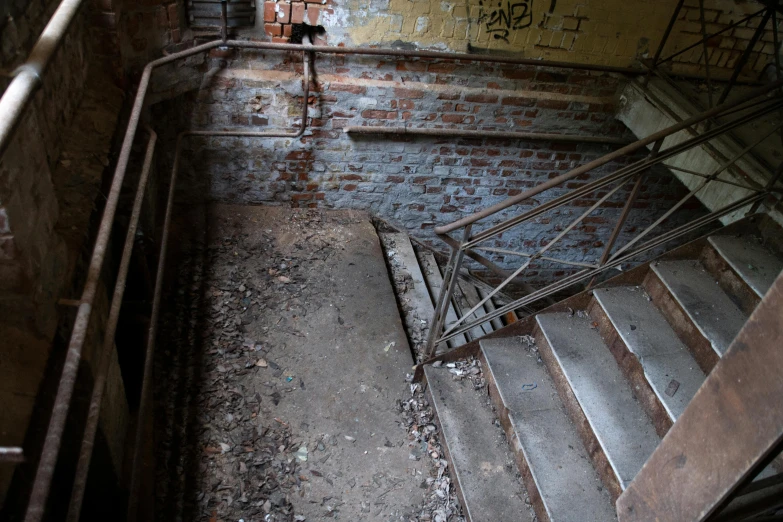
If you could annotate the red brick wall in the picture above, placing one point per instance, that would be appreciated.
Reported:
(414, 182)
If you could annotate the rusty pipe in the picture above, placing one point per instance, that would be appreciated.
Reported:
(51, 447)
(146, 384)
(93, 415)
(603, 160)
(29, 76)
(481, 134)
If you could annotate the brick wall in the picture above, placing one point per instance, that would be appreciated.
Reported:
(415, 183)
(50, 181)
(609, 32)
(723, 50)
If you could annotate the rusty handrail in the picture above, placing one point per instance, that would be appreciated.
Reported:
(603, 160)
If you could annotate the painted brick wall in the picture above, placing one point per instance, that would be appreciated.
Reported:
(610, 32)
(414, 183)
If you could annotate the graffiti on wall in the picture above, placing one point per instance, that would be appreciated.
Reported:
(501, 18)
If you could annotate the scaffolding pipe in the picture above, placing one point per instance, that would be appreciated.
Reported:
(94, 412)
(29, 76)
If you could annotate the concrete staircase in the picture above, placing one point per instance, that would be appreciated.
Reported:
(586, 389)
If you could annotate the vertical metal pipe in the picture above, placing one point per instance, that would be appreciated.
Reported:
(93, 415)
(146, 384)
(447, 290)
(223, 21)
(705, 51)
(627, 208)
(664, 38)
(745, 55)
(51, 448)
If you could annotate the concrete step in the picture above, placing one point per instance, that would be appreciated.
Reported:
(480, 459)
(753, 263)
(707, 306)
(559, 477)
(625, 434)
(668, 366)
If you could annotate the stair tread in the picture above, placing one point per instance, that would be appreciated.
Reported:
(756, 265)
(647, 334)
(569, 487)
(709, 308)
(625, 433)
(477, 450)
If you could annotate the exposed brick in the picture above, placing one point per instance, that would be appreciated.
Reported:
(313, 14)
(453, 118)
(379, 115)
(273, 29)
(346, 87)
(297, 12)
(553, 104)
(270, 15)
(519, 101)
(408, 93)
(481, 98)
(283, 12)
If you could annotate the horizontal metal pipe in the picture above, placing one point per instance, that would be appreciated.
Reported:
(583, 275)
(94, 412)
(11, 454)
(482, 134)
(28, 76)
(435, 55)
(633, 147)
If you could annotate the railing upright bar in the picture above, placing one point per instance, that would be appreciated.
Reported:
(623, 172)
(745, 55)
(705, 52)
(626, 210)
(525, 254)
(450, 278)
(88, 438)
(664, 39)
(693, 192)
(717, 33)
(509, 202)
(538, 254)
(567, 281)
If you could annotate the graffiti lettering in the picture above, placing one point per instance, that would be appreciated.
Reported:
(503, 19)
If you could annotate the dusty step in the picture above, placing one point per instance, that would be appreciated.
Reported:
(481, 461)
(625, 434)
(704, 302)
(562, 483)
(756, 265)
(669, 368)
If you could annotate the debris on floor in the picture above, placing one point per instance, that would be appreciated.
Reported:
(279, 376)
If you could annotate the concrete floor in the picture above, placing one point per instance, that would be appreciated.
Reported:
(297, 312)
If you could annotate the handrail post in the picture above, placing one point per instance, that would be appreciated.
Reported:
(626, 210)
(664, 39)
(450, 278)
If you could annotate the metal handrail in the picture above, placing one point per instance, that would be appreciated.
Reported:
(608, 158)
(604, 187)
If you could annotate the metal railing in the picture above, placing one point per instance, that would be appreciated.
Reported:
(15, 100)
(766, 16)
(475, 244)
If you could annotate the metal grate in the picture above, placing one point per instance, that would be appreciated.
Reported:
(205, 14)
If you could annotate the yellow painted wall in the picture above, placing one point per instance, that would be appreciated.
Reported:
(609, 32)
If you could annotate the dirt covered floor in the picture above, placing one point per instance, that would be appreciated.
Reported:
(282, 376)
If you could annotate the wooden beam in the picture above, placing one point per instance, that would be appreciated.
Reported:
(733, 422)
